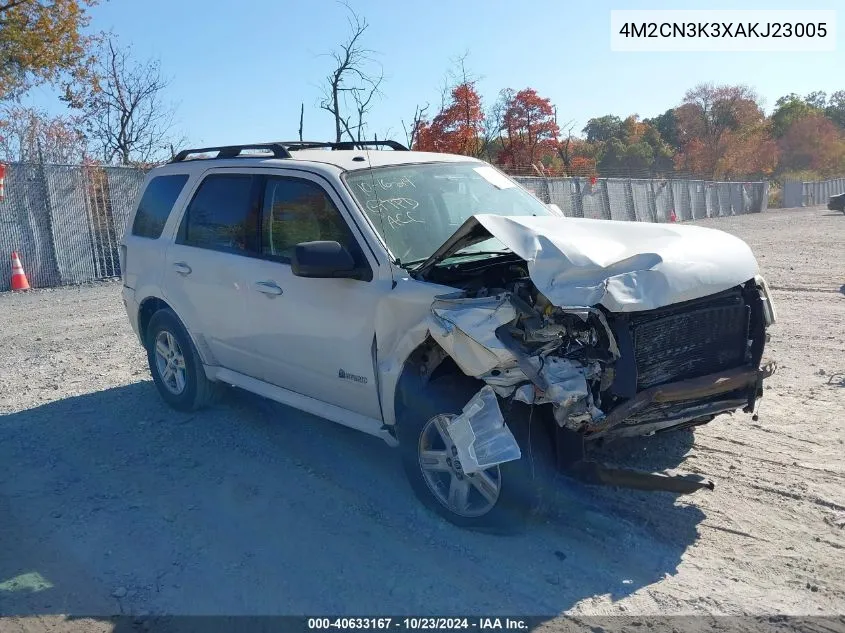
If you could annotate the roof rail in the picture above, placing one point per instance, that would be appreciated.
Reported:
(342, 145)
(234, 151)
(282, 149)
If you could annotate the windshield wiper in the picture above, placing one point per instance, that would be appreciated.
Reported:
(410, 264)
(471, 253)
(415, 263)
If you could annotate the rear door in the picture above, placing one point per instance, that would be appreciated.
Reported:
(205, 274)
(142, 249)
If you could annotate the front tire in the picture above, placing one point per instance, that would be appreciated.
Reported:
(499, 499)
(175, 364)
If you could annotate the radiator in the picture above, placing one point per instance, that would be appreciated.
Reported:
(690, 340)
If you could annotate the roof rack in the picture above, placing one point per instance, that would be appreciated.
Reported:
(233, 151)
(282, 149)
(343, 145)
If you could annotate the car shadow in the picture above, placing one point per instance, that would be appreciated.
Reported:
(114, 504)
(655, 453)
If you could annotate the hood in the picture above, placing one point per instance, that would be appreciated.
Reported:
(623, 266)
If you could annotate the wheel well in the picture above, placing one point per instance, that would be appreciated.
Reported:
(148, 308)
(427, 362)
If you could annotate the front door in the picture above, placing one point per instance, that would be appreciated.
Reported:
(312, 336)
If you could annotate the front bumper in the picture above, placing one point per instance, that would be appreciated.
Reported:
(686, 401)
(721, 392)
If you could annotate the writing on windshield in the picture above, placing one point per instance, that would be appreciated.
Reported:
(416, 208)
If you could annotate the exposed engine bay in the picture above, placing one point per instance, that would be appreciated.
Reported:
(604, 374)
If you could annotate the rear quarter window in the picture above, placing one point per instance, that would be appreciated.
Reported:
(156, 204)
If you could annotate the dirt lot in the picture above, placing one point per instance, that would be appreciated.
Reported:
(112, 503)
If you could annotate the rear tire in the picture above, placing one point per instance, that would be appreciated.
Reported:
(499, 499)
(175, 364)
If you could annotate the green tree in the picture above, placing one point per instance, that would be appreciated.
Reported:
(789, 109)
(628, 147)
(602, 129)
(835, 110)
(666, 125)
(816, 99)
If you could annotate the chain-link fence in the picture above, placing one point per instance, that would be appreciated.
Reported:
(67, 221)
(644, 200)
(808, 194)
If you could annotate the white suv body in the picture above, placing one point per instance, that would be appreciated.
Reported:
(225, 281)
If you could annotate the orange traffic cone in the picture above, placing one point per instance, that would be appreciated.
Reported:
(19, 280)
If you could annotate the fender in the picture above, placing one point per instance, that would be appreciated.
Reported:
(205, 354)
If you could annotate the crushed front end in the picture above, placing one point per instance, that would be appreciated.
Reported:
(603, 375)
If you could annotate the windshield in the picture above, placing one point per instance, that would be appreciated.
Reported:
(416, 208)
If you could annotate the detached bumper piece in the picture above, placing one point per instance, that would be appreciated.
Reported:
(594, 473)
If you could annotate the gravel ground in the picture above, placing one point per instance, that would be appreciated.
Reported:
(112, 503)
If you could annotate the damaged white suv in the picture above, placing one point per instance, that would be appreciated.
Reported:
(430, 300)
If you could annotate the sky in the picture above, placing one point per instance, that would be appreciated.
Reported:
(240, 69)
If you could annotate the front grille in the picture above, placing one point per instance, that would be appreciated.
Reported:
(690, 340)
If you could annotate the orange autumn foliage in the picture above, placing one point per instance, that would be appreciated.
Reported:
(456, 129)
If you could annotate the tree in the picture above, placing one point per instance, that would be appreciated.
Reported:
(813, 143)
(603, 129)
(126, 118)
(835, 110)
(417, 123)
(666, 125)
(723, 133)
(529, 129)
(816, 99)
(352, 86)
(30, 135)
(457, 128)
(788, 109)
(628, 147)
(41, 41)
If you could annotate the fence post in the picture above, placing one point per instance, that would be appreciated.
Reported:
(579, 201)
(90, 213)
(629, 200)
(687, 185)
(672, 206)
(48, 215)
(652, 201)
(605, 200)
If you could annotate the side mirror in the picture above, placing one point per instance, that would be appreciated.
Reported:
(323, 260)
(555, 209)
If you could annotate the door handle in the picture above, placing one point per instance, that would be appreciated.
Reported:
(182, 268)
(268, 288)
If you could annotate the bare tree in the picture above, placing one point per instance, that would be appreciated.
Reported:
(494, 132)
(363, 99)
(127, 120)
(354, 83)
(564, 147)
(30, 135)
(416, 123)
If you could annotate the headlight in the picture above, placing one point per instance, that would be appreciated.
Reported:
(769, 312)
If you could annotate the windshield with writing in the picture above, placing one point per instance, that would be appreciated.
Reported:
(418, 207)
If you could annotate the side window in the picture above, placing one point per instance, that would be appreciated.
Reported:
(156, 204)
(221, 216)
(300, 211)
